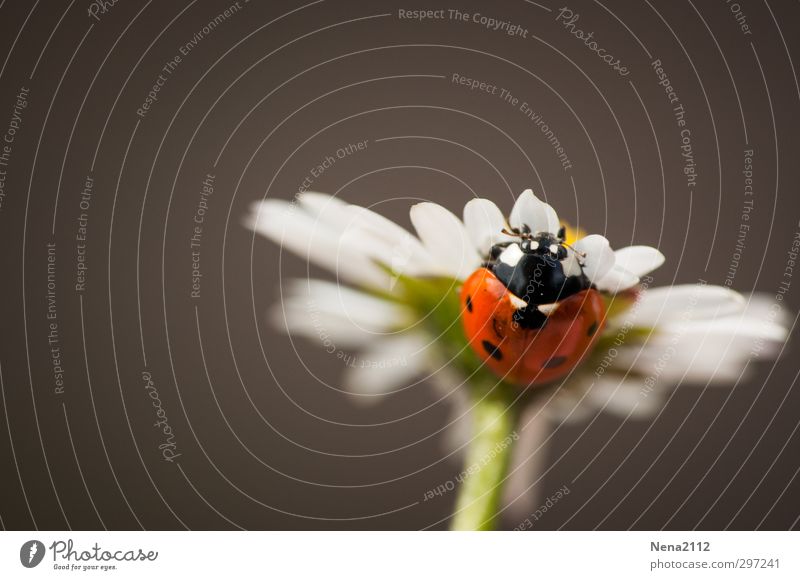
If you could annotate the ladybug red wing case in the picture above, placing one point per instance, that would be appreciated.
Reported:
(528, 357)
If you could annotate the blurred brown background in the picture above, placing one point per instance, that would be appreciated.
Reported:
(260, 98)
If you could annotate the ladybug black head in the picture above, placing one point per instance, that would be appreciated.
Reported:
(539, 243)
(539, 269)
(545, 244)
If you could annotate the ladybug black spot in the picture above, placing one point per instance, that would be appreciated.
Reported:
(592, 329)
(492, 350)
(469, 303)
(555, 362)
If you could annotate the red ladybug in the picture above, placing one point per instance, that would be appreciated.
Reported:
(531, 313)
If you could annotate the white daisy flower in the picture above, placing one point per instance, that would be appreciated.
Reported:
(505, 308)
(402, 285)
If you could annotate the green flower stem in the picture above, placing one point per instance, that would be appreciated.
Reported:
(494, 418)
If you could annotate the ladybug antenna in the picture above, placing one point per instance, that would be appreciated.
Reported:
(566, 245)
(523, 235)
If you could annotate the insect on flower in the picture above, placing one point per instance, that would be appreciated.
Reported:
(487, 307)
(525, 301)
(531, 311)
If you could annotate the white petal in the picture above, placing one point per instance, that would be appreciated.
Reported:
(345, 238)
(768, 321)
(618, 279)
(761, 306)
(328, 331)
(537, 215)
(525, 210)
(596, 256)
(269, 217)
(388, 243)
(381, 228)
(446, 239)
(625, 396)
(728, 326)
(373, 313)
(484, 222)
(699, 348)
(685, 302)
(379, 237)
(702, 351)
(317, 204)
(639, 260)
(692, 359)
(387, 364)
(294, 229)
(706, 350)
(550, 223)
(335, 315)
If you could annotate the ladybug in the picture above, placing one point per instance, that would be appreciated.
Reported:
(530, 313)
